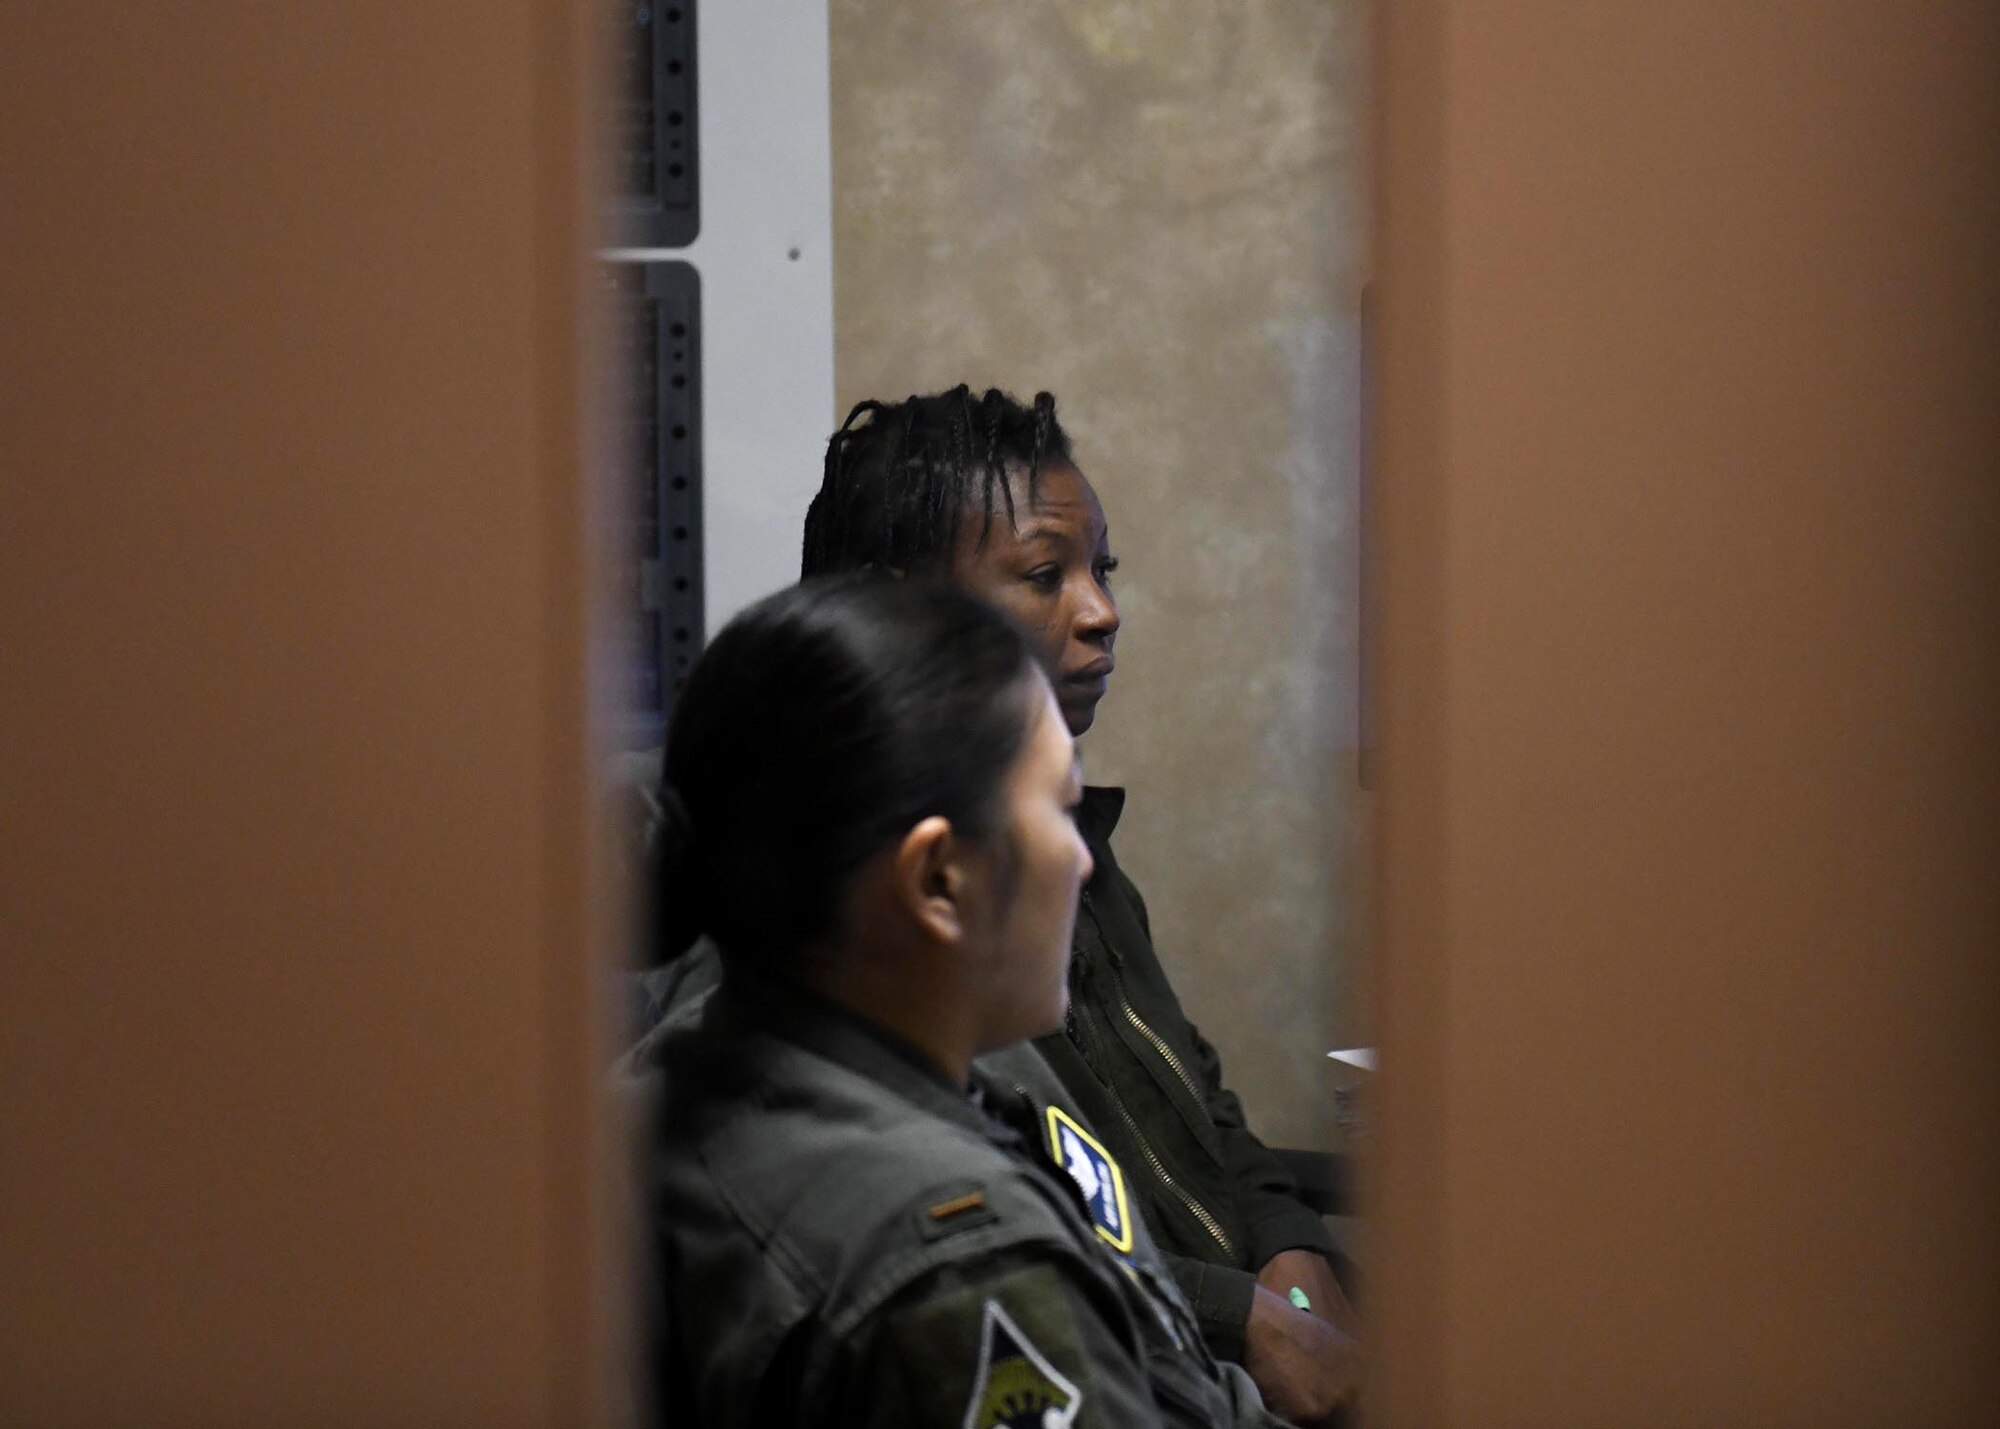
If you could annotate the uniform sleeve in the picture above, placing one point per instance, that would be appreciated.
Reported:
(1220, 1297)
(1016, 1337)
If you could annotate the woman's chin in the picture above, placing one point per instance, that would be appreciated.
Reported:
(1079, 712)
(1046, 1020)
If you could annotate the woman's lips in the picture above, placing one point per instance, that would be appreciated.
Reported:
(1092, 676)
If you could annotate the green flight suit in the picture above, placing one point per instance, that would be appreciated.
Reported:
(844, 1237)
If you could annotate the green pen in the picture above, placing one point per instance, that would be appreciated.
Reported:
(1300, 1299)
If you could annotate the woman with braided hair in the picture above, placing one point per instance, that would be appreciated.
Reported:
(940, 486)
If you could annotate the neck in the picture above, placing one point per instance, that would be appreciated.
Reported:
(864, 987)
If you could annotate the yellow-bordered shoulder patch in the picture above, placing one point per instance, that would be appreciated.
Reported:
(1095, 1174)
(1017, 1387)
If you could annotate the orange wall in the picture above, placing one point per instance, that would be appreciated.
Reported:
(1690, 577)
(295, 910)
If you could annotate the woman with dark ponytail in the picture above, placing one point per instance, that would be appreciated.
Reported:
(868, 801)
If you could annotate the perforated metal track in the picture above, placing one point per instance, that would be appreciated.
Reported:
(656, 309)
(653, 124)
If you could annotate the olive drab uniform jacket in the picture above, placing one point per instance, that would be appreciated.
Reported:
(844, 1237)
(1217, 1201)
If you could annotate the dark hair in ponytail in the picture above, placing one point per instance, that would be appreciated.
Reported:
(899, 477)
(821, 725)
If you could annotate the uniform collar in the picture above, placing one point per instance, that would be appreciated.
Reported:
(1098, 814)
(784, 1009)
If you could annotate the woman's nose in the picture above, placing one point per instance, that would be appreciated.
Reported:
(1097, 615)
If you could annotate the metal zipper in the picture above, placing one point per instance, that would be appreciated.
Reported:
(1159, 1045)
(1132, 1016)
(1195, 1208)
(1080, 1033)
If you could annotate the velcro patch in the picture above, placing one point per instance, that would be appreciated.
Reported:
(1095, 1174)
(1017, 1387)
(985, 1345)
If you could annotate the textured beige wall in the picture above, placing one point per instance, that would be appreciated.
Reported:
(1153, 210)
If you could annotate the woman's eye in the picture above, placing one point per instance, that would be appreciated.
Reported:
(1105, 569)
(1045, 577)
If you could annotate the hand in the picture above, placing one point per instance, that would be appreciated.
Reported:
(1306, 1369)
(1311, 1273)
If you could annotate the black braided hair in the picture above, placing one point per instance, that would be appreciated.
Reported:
(900, 477)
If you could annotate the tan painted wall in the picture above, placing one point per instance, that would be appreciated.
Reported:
(1152, 211)
(298, 1057)
(1690, 345)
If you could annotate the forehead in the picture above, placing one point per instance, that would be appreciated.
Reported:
(1065, 511)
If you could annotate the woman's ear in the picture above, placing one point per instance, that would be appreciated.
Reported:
(930, 879)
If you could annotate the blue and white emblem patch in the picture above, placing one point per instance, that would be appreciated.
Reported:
(1095, 1174)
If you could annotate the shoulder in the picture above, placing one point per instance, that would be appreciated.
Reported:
(855, 1191)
